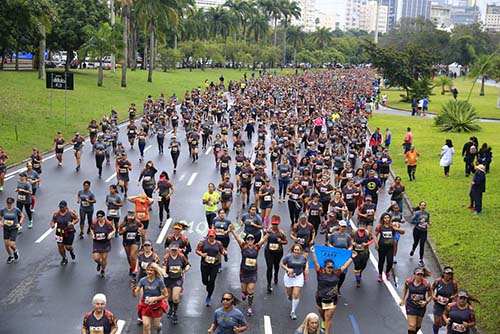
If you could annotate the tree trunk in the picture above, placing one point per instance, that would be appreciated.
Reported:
(99, 74)
(145, 54)
(284, 44)
(41, 54)
(151, 53)
(112, 22)
(17, 60)
(175, 41)
(275, 32)
(125, 46)
(481, 92)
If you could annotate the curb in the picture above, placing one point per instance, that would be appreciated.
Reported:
(434, 113)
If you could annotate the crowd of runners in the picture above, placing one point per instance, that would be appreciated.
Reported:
(311, 154)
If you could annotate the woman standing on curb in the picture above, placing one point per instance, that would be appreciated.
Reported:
(445, 289)
(421, 219)
(447, 156)
(420, 294)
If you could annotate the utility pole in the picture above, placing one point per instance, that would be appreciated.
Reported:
(375, 38)
(112, 21)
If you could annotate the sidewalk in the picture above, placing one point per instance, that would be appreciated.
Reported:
(401, 112)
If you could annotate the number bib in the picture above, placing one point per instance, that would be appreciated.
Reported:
(141, 215)
(21, 197)
(113, 212)
(175, 269)
(131, 235)
(273, 246)
(458, 327)
(442, 300)
(59, 238)
(250, 262)
(8, 222)
(210, 259)
(327, 306)
(100, 236)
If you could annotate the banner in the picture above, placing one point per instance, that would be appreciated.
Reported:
(338, 255)
(59, 80)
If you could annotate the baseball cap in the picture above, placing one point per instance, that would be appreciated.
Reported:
(211, 233)
(463, 293)
(419, 271)
(448, 270)
(249, 236)
(63, 204)
(178, 226)
(342, 223)
(148, 242)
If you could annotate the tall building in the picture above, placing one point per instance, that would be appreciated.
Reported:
(492, 19)
(441, 16)
(368, 17)
(464, 15)
(324, 20)
(307, 15)
(392, 10)
(347, 13)
(414, 8)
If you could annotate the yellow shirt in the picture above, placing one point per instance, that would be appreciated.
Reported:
(212, 199)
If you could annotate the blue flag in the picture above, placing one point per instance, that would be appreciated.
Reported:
(338, 255)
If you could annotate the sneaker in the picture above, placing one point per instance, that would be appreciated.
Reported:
(421, 263)
(412, 252)
(80, 236)
(477, 213)
(293, 316)
(358, 284)
(16, 255)
(102, 273)
(169, 313)
(20, 230)
(30, 224)
(161, 224)
(139, 321)
(225, 258)
(208, 302)
(219, 270)
(243, 296)
(73, 255)
(32, 210)
(379, 279)
(64, 261)
(388, 276)
(98, 267)
(290, 298)
(269, 289)
(174, 318)
(10, 259)
(394, 261)
(249, 312)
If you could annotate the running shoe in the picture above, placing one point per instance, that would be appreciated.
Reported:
(174, 318)
(379, 279)
(243, 296)
(20, 230)
(139, 321)
(412, 252)
(10, 259)
(208, 301)
(225, 258)
(269, 289)
(80, 236)
(358, 284)
(293, 316)
(249, 312)
(64, 261)
(102, 273)
(219, 270)
(98, 267)
(421, 263)
(73, 255)
(161, 224)
(169, 313)
(394, 261)
(388, 276)
(290, 298)
(16, 255)
(30, 224)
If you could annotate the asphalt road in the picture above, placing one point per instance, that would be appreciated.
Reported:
(40, 296)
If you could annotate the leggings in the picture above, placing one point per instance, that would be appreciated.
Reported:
(87, 214)
(210, 218)
(283, 185)
(294, 211)
(273, 259)
(99, 159)
(446, 170)
(148, 191)
(160, 143)
(26, 206)
(175, 157)
(360, 262)
(385, 252)
(164, 204)
(419, 237)
(208, 276)
(142, 146)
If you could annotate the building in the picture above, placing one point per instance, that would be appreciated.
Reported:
(368, 17)
(492, 19)
(324, 20)
(414, 8)
(464, 15)
(308, 15)
(209, 3)
(346, 13)
(392, 9)
(441, 16)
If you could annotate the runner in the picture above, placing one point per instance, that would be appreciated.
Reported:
(228, 319)
(78, 142)
(34, 180)
(3, 167)
(252, 223)
(420, 294)
(210, 200)
(100, 148)
(123, 167)
(99, 320)
(142, 205)
(148, 178)
(102, 231)
(152, 292)
(175, 265)
(59, 143)
(36, 160)
(361, 240)
(86, 199)
(210, 250)
(460, 316)
(179, 238)
(367, 212)
(295, 194)
(130, 230)
(64, 221)
(284, 174)
(93, 130)
(266, 195)
(113, 204)
(274, 251)
(246, 176)
(226, 190)
(175, 150)
(421, 219)
(11, 220)
(141, 141)
(295, 264)
(341, 239)
(161, 131)
(248, 267)
(445, 289)
(314, 212)
(131, 133)
(165, 190)
(327, 292)
(384, 240)
(24, 193)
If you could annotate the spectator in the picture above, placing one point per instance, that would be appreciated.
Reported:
(408, 140)
(447, 157)
(485, 156)
(478, 187)
(425, 105)
(469, 152)
(388, 138)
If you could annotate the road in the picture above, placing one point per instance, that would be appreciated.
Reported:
(40, 296)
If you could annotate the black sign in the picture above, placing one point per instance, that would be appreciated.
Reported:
(59, 80)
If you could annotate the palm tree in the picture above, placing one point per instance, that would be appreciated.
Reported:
(243, 10)
(276, 14)
(321, 37)
(289, 10)
(102, 42)
(444, 81)
(220, 22)
(194, 25)
(296, 36)
(259, 26)
(481, 68)
(152, 13)
(42, 12)
(125, 12)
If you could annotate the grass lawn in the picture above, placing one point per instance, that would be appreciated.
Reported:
(26, 102)
(485, 105)
(470, 244)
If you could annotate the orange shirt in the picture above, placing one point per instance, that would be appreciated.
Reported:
(411, 158)
(142, 208)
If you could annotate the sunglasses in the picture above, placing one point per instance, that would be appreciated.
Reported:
(226, 299)
(329, 267)
(147, 245)
(420, 274)
(462, 297)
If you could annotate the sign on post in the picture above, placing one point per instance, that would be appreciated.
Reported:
(59, 80)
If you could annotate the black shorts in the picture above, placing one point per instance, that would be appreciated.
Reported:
(173, 282)
(123, 177)
(10, 233)
(224, 241)
(145, 224)
(323, 300)
(246, 185)
(67, 239)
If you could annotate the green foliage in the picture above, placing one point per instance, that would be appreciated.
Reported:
(421, 88)
(443, 81)
(169, 57)
(467, 43)
(457, 116)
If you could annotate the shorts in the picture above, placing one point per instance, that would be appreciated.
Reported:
(68, 239)
(332, 299)
(397, 235)
(224, 241)
(438, 309)
(248, 276)
(413, 310)
(154, 311)
(367, 222)
(122, 177)
(10, 233)
(246, 185)
(225, 200)
(101, 247)
(173, 282)
(290, 282)
(145, 224)
(351, 206)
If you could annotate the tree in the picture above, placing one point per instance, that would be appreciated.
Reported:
(296, 36)
(42, 12)
(467, 42)
(289, 10)
(243, 10)
(68, 32)
(126, 6)
(259, 27)
(421, 88)
(481, 68)
(169, 58)
(444, 81)
(322, 37)
(457, 116)
(100, 43)
(220, 22)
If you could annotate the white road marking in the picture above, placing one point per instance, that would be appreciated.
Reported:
(182, 177)
(147, 148)
(164, 231)
(191, 179)
(121, 324)
(39, 240)
(111, 177)
(208, 150)
(268, 329)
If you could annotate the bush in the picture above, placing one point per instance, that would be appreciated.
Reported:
(457, 116)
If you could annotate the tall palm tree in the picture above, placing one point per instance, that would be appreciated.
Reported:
(243, 10)
(276, 13)
(152, 13)
(125, 12)
(289, 10)
(296, 36)
(259, 27)
(321, 37)
(221, 22)
(481, 68)
(42, 12)
(194, 25)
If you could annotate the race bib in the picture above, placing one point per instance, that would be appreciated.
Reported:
(219, 231)
(21, 197)
(223, 164)
(304, 183)
(130, 235)
(442, 300)
(210, 259)
(258, 184)
(113, 212)
(314, 212)
(387, 234)
(8, 222)
(174, 149)
(273, 246)
(250, 262)
(359, 248)
(349, 196)
(268, 198)
(175, 269)
(59, 238)
(160, 198)
(123, 170)
(294, 196)
(96, 329)
(458, 327)
(422, 225)
(416, 297)
(85, 203)
(132, 131)
(327, 306)
(144, 265)
(141, 215)
(147, 178)
(60, 147)
(100, 236)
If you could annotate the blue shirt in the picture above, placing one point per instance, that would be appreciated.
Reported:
(151, 289)
(10, 217)
(227, 320)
